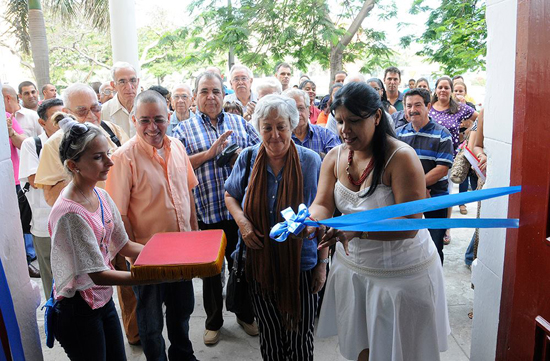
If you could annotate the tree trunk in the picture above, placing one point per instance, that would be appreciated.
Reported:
(39, 44)
(337, 51)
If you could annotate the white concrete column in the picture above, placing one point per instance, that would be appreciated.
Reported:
(24, 292)
(124, 32)
(487, 272)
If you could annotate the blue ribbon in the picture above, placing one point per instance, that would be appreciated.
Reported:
(380, 219)
(10, 320)
(294, 223)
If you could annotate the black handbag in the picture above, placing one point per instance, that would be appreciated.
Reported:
(24, 206)
(226, 154)
(238, 298)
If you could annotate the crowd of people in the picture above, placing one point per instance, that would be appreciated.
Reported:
(108, 165)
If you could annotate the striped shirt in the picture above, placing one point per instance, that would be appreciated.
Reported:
(197, 135)
(318, 139)
(433, 145)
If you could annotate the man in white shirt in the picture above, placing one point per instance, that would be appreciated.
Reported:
(27, 119)
(118, 109)
(40, 209)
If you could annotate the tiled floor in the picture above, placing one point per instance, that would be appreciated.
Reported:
(236, 345)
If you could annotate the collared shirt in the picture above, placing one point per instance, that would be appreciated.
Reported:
(28, 120)
(233, 98)
(399, 102)
(27, 167)
(174, 121)
(198, 134)
(318, 139)
(113, 111)
(50, 169)
(154, 192)
(311, 166)
(434, 146)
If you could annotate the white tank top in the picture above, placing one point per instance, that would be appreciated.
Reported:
(385, 255)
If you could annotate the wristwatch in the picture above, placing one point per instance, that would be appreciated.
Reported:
(324, 260)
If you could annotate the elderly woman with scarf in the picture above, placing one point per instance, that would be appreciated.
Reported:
(283, 277)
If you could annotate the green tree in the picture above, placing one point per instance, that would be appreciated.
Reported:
(264, 32)
(26, 23)
(455, 35)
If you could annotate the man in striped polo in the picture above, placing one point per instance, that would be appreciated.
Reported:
(433, 145)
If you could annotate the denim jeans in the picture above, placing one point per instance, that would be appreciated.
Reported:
(87, 334)
(179, 299)
(469, 255)
(471, 180)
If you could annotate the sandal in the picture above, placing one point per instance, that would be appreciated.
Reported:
(447, 239)
(471, 315)
(463, 209)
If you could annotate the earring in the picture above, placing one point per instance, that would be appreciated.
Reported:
(77, 170)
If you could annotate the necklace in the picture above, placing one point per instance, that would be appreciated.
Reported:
(83, 195)
(365, 174)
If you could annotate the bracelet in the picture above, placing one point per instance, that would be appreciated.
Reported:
(480, 154)
(324, 260)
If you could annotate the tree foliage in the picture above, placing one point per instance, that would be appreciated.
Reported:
(455, 35)
(264, 32)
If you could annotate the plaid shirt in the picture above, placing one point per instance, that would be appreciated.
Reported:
(318, 139)
(197, 135)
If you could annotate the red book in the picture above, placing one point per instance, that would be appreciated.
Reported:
(181, 255)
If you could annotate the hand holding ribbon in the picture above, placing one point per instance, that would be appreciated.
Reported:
(380, 219)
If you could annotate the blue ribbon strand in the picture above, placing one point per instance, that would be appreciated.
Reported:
(10, 320)
(380, 219)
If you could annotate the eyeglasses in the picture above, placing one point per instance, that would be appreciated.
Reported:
(158, 121)
(302, 109)
(108, 92)
(240, 79)
(77, 130)
(82, 112)
(182, 97)
(123, 82)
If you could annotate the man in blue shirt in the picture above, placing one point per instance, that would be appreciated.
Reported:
(314, 137)
(433, 145)
(205, 136)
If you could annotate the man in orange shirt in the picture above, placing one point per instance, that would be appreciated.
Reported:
(151, 183)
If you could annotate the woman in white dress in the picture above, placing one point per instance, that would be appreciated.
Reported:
(385, 290)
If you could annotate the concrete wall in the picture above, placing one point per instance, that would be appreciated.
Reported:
(24, 292)
(499, 104)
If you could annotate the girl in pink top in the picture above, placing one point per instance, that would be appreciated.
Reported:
(87, 232)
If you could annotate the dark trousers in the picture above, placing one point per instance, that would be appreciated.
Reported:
(212, 286)
(278, 343)
(87, 334)
(437, 234)
(471, 180)
(179, 299)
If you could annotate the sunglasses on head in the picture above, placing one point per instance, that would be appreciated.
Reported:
(77, 130)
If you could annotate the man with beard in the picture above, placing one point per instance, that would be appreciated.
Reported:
(28, 95)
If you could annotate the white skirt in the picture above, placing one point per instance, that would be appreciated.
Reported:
(397, 314)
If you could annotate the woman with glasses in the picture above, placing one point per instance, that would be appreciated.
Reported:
(87, 232)
(385, 296)
(379, 87)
